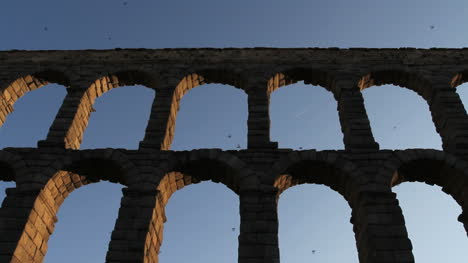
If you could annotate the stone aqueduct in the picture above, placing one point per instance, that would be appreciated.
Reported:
(362, 173)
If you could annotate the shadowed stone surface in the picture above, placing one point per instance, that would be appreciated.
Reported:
(362, 174)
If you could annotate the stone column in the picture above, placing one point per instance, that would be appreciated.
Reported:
(463, 218)
(258, 239)
(137, 235)
(380, 230)
(161, 126)
(24, 230)
(353, 117)
(450, 119)
(258, 123)
(71, 121)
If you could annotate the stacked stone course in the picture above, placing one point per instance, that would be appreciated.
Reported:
(362, 173)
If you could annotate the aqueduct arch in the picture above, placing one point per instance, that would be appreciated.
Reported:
(16, 87)
(361, 173)
(433, 168)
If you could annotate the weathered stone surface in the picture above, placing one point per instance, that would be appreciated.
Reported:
(361, 173)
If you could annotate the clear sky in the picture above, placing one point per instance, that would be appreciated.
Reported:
(201, 228)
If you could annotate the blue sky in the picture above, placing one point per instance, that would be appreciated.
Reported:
(201, 228)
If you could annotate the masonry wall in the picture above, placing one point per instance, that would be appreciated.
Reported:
(362, 173)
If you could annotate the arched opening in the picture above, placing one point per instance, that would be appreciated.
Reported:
(85, 222)
(119, 118)
(305, 117)
(430, 214)
(431, 222)
(313, 223)
(400, 118)
(203, 220)
(84, 216)
(212, 116)
(32, 116)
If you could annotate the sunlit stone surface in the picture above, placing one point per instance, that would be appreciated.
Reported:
(258, 174)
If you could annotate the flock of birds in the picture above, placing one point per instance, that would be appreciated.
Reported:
(432, 27)
(125, 3)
